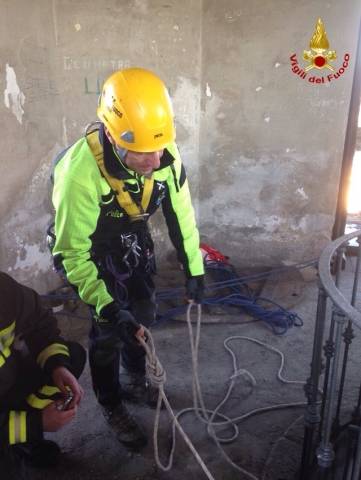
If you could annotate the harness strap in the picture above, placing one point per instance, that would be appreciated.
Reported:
(118, 186)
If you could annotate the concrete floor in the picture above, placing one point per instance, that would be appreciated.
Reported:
(90, 450)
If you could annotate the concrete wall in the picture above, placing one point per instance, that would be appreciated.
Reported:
(263, 147)
(275, 141)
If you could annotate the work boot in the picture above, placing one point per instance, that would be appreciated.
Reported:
(127, 431)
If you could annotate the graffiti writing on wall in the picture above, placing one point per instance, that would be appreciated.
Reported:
(88, 63)
(92, 84)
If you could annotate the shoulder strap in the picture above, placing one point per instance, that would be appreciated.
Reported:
(118, 186)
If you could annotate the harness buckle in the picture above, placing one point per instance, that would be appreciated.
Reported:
(139, 216)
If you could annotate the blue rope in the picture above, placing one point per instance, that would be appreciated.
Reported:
(237, 295)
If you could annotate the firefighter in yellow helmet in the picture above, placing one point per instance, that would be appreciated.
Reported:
(106, 186)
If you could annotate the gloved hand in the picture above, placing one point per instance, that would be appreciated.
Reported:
(118, 323)
(195, 288)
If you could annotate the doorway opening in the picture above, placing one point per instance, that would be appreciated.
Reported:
(348, 209)
(353, 219)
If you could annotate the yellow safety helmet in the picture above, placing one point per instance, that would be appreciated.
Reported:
(136, 109)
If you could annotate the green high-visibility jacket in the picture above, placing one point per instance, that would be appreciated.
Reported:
(88, 217)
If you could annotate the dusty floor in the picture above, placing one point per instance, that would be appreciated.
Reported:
(90, 450)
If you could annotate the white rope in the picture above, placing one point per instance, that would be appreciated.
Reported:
(157, 377)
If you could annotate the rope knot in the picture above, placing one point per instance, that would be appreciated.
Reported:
(155, 372)
(153, 368)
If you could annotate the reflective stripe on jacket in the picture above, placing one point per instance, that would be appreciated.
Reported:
(22, 317)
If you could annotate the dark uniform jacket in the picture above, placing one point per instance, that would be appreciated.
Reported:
(26, 331)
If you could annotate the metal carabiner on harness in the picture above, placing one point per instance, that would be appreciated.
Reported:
(140, 216)
(130, 241)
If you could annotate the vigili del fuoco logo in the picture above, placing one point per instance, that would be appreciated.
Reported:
(319, 59)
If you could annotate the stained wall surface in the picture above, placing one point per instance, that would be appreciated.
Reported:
(262, 146)
(273, 141)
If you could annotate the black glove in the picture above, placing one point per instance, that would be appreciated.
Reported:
(117, 323)
(195, 288)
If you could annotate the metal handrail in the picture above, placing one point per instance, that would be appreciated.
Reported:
(330, 357)
(328, 281)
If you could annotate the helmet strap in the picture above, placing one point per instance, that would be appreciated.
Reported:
(120, 153)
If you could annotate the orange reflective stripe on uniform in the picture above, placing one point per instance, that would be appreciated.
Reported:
(17, 427)
(118, 186)
(53, 349)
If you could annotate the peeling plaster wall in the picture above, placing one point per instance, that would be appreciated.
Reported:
(54, 56)
(263, 149)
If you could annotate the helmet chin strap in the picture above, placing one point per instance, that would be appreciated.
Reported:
(120, 152)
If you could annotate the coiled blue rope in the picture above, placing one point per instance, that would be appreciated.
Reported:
(236, 295)
(239, 296)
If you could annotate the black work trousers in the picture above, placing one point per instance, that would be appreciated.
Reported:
(31, 379)
(12, 465)
(104, 363)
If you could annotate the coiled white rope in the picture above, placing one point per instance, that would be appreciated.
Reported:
(157, 377)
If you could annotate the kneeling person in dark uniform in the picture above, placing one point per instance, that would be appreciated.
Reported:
(39, 391)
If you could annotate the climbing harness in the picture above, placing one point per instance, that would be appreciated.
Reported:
(135, 210)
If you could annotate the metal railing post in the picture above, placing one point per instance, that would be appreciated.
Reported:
(312, 415)
(325, 452)
(326, 420)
